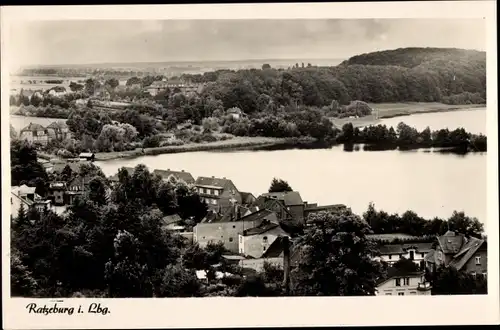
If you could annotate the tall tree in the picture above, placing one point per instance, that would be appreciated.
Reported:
(279, 185)
(336, 257)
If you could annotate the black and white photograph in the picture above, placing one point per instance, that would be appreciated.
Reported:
(247, 157)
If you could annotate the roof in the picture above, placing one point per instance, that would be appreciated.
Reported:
(263, 228)
(467, 251)
(212, 182)
(57, 185)
(130, 171)
(402, 248)
(33, 127)
(289, 197)
(75, 166)
(275, 250)
(260, 215)
(390, 236)
(393, 272)
(247, 198)
(451, 243)
(86, 154)
(184, 176)
(58, 125)
(22, 190)
(268, 203)
(24, 200)
(170, 219)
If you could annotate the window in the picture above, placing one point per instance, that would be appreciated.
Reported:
(398, 282)
(478, 260)
(406, 281)
(473, 274)
(230, 239)
(422, 255)
(440, 255)
(234, 226)
(484, 275)
(216, 193)
(264, 238)
(401, 293)
(214, 201)
(390, 256)
(211, 191)
(412, 255)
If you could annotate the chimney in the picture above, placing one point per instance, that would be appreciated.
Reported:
(286, 264)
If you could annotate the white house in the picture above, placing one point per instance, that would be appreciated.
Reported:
(34, 133)
(402, 283)
(415, 252)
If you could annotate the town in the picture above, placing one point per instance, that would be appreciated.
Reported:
(226, 232)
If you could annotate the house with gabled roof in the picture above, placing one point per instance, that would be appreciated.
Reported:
(168, 175)
(227, 229)
(416, 252)
(27, 197)
(58, 130)
(219, 193)
(288, 205)
(463, 253)
(34, 133)
(401, 282)
(255, 241)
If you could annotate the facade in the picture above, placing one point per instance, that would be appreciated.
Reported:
(219, 194)
(76, 187)
(227, 232)
(247, 198)
(274, 255)
(288, 205)
(463, 253)
(57, 191)
(255, 241)
(168, 175)
(26, 196)
(415, 252)
(402, 283)
(34, 133)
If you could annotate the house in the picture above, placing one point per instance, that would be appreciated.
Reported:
(399, 282)
(415, 252)
(456, 250)
(58, 130)
(174, 86)
(115, 179)
(171, 223)
(168, 175)
(227, 230)
(57, 191)
(254, 242)
(28, 198)
(236, 113)
(76, 187)
(288, 205)
(88, 156)
(219, 194)
(247, 198)
(34, 133)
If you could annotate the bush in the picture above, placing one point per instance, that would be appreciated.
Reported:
(151, 141)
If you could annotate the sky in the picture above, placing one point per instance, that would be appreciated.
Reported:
(122, 41)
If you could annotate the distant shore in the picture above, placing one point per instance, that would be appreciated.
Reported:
(392, 110)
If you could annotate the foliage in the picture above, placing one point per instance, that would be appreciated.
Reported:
(279, 185)
(449, 281)
(25, 168)
(336, 257)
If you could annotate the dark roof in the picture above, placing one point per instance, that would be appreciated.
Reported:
(170, 219)
(451, 243)
(75, 166)
(275, 250)
(268, 203)
(33, 127)
(264, 227)
(401, 248)
(289, 197)
(259, 215)
(393, 272)
(213, 182)
(184, 176)
(466, 252)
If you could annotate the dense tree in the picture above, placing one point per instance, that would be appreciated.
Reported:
(336, 257)
(461, 223)
(449, 281)
(279, 185)
(25, 168)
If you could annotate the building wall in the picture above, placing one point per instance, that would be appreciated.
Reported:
(390, 288)
(30, 136)
(479, 267)
(58, 197)
(226, 232)
(392, 258)
(256, 245)
(297, 212)
(258, 264)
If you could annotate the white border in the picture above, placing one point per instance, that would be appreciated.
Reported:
(232, 312)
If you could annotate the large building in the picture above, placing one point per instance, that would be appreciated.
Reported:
(463, 253)
(219, 194)
(399, 282)
(34, 133)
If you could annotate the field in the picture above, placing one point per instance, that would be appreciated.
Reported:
(390, 110)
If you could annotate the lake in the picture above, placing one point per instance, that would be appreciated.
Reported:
(429, 183)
